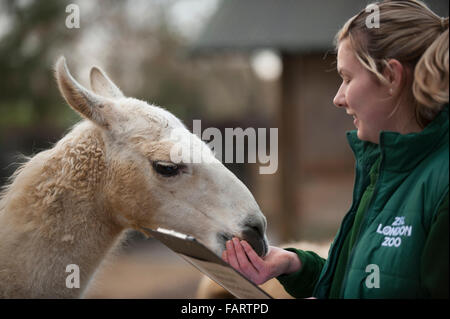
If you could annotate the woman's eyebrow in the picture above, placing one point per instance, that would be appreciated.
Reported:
(341, 71)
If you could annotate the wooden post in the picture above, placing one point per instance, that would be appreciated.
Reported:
(289, 162)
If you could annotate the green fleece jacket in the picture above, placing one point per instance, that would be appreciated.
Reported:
(393, 243)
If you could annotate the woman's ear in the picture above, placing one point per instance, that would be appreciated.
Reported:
(395, 73)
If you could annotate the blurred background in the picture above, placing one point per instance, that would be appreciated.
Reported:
(229, 63)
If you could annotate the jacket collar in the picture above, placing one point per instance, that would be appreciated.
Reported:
(401, 152)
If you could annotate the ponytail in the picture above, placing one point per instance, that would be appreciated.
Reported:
(430, 86)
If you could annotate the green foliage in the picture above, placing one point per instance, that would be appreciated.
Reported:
(27, 83)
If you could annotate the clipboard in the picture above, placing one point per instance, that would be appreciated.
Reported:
(206, 261)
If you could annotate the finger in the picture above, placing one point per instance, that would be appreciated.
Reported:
(225, 256)
(242, 259)
(231, 255)
(256, 261)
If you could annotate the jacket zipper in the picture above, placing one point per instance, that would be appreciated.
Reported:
(363, 224)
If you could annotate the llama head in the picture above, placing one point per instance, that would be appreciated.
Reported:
(146, 183)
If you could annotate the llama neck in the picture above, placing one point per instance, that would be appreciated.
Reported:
(55, 219)
(38, 258)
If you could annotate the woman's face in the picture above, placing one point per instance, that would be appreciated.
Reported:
(362, 96)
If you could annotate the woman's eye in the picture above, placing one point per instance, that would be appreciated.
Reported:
(166, 169)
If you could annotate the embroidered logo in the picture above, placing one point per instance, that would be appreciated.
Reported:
(395, 232)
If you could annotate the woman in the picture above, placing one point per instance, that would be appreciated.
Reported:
(393, 243)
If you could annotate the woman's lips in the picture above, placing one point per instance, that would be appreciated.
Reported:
(355, 120)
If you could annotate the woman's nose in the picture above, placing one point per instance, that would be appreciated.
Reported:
(339, 99)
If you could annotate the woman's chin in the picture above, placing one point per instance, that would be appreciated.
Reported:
(361, 135)
(364, 137)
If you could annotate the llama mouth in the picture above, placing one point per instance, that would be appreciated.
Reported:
(257, 242)
(223, 238)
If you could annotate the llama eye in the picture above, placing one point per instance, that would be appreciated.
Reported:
(166, 169)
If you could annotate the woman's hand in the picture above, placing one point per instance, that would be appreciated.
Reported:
(241, 256)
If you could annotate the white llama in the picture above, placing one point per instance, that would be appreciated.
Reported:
(112, 172)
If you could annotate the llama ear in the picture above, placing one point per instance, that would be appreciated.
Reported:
(102, 84)
(85, 102)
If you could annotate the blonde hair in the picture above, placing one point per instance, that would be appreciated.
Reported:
(411, 33)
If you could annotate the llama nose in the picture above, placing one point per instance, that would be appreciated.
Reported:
(254, 235)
